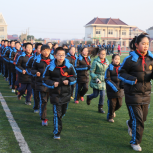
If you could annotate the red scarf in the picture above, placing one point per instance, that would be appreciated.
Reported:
(73, 57)
(143, 59)
(103, 62)
(35, 51)
(47, 61)
(29, 55)
(18, 50)
(86, 60)
(116, 67)
(62, 72)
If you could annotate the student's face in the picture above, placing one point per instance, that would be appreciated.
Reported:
(72, 51)
(33, 45)
(12, 44)
(55, 46)
(60, 56)
(85, 52)
(102, 54)
(6, 43)
(116, 60)
(28, 49)
(50, 45)
(65, 47)
(24, 41)
(143, 46)
(39, 49)
(2, 42)
(17, 46)
(45, 52)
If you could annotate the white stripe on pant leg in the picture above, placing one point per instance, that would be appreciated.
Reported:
(17, 132)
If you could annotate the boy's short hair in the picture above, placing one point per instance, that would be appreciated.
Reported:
(28, 44)
(12, 41)
(5, 40)
(43, 47)
(57, 49)
(17, 42)
(37, 44)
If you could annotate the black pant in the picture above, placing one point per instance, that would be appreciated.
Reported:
(23, 88)
(6, 69)
(72, 89)
(113, 105)
(0, 64)
(13, 79)
(35, 97)
(138, 115)
(81, 90)
(43, 96)
(59, 111)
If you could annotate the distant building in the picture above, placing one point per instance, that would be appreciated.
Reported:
(12, 37)
(55, 40)
(150, 32)
(3, 28)
(109, 30)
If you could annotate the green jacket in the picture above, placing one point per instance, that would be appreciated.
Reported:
(98, 71)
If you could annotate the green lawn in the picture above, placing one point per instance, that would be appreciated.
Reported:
(84, 129)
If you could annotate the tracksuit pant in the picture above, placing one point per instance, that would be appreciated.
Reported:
(96, 93)
(22, 88)
(72, 89)
(59, 111)
(43, 96)
(81, 90)
(35, 94)
(138, 115)
(113, 105)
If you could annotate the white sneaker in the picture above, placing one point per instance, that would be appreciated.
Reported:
(129, 129)
(136, 147)
(13, 90)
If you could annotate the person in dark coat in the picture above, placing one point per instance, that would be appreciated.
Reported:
(82, 65)
(136, 71)
(58, 77)
(24, 78)
(38, 68)
(71, 56)
(1, 48)
(114, 88)
(29, 65)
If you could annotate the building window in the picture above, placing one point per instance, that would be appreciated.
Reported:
(1, 20)
(123, 32)
(97, 32)
(1, 28)
(110, 31)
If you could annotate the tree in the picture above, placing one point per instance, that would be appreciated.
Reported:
(30, 37)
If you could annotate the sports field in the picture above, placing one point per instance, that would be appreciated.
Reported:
(84, 129)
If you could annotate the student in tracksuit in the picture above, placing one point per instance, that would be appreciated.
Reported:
(114, 88)
(82, 65)
(58, 77)
(136, 72)
(38, 68)
(7, 59)
(97, 73)
(71, 56)
(12, 58)
(29, 65)
(24, 78)
(5, 73)
(16, 54)
(1, 48)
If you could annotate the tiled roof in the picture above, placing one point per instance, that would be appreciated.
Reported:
(106, 21)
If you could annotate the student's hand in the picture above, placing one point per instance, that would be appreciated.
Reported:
(136, 81)
(56, 84)
(38, 74)
(98, 81)
(66, 82)
(24, 71)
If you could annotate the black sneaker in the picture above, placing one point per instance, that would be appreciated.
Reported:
(88, 101)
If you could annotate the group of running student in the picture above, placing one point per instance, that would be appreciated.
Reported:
(47, 71)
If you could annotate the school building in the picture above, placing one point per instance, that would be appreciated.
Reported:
(3, 28)
(109, 30)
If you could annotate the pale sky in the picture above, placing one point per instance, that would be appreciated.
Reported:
(65, 19)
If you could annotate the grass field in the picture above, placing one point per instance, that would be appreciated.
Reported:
(84, 129)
